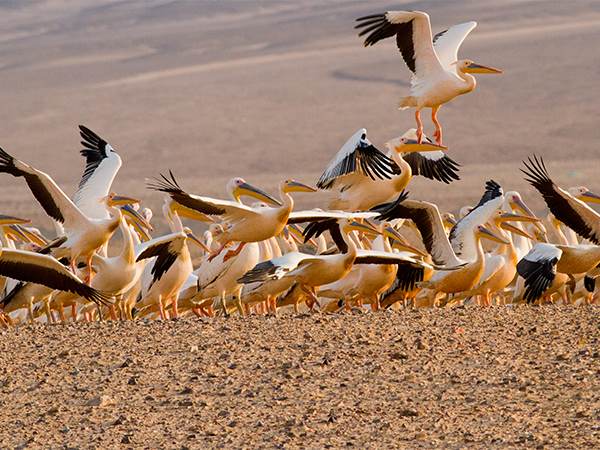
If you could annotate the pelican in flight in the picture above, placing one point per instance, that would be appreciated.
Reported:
(438, 74)
(352, 174)
(242, 223)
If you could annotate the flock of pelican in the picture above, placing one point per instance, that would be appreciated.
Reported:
(373, 247)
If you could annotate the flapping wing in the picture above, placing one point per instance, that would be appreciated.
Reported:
(574, 213)
(102, 163)
(54, 201)
(447, 43)
(377, 257)
(47, 271)
(427, 219)
(315, 215)
(357, 155)
(166, 249)
(315, 229)
(413, 38)
(275, 268)
(538, 268)
(204, 205)
(433, 165)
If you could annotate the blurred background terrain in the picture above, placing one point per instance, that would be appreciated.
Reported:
(268, 90)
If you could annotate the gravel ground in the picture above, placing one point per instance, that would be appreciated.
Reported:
(463, 378)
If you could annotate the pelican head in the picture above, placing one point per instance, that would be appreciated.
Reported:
(296, 186)
(190, 235)
(11, 220)
(584, 194)
(483, 232)
(468, 66)
(408, 143)
(238, 188)
(517, 204)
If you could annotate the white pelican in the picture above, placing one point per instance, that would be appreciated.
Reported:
(438, 74)
(171, 268)
(242, 223)
(117, 274)
(357, 189)
(85, 235)
(500, 266)
(366, 282)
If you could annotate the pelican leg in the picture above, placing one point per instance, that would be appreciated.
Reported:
(90, 271)
(100, 315)
(312, 296)
(112, 312)
(438, 126)
(74, 311)
(4, 320)
(48, 312)
(419, 126)
(224, 305)
(61, 313)
(232, 253)
(175, 312)
(30, 310)
(161, 308)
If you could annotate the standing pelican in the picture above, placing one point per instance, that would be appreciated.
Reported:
(438, 74)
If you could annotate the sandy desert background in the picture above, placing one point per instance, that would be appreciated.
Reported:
(268, 90)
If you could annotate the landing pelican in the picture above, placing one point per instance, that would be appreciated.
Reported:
(438, 74)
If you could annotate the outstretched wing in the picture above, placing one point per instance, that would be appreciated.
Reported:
(433, 165)
(47, 271)
(357, 155)
(413, 38)
(102, 163)
(574, 213)
(426, 217)
(166, 249)
(447, 43)
(51, 197)
(204, 205)
(538, 268)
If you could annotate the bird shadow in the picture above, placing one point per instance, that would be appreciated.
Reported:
(349, 76)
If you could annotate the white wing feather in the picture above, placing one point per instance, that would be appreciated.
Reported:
(88, 197)
(448, 42)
